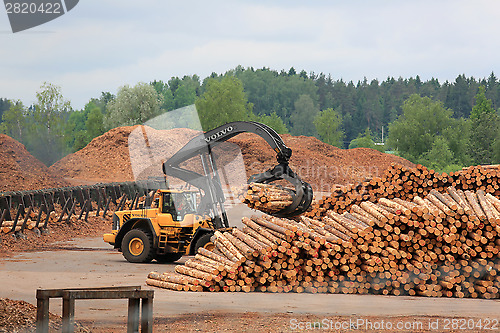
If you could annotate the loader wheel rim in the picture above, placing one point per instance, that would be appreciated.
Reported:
(136, 246)
(209, 246)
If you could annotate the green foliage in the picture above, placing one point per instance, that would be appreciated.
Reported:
(460, 95)
(102, 102)
(223, 101)
(168, 100)
(328, 124)
(450, 168)
(75, 127)
(270, 91)
(4, 106)
(84, 125)
(362, 104)
(278, 99)
(496, 149)
(272, 121)
(457, 136)
(48, 129)
(80, 140)
(414, 132)
(439, 156)
(485, 131)
(482, 106)
(45, 139)
(177, 93)
(427, 133)
(362, 141)
(365, 141)
(184, 96)
(163, 90)
(14, 121)
(302, 119)
(50, 104)
(94, 123)
(133, 106)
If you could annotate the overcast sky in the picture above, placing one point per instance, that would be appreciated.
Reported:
(102, 45)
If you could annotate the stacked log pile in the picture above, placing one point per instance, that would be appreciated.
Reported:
(7, 226)
(267, 198)
(441, 244)
(404, 183)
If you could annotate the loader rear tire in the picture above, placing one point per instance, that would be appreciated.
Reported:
(168, 257)
(137, 246)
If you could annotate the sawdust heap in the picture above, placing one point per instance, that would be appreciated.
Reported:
(107, 158)
(318, 163)
(19, 170)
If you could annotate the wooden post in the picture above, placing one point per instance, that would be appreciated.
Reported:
(42, 314)
(133, 315)
(68, 315)
(147, 315)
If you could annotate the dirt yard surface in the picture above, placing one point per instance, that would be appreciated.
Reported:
(89, 262)
(289, 322)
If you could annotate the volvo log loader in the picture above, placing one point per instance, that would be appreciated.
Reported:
(178, 222)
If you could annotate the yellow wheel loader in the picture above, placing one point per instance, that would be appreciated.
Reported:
(165, 231)
(178, 222)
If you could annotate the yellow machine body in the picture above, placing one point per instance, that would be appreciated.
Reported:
(171, 224)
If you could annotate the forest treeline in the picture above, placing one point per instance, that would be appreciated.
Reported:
(442, 125)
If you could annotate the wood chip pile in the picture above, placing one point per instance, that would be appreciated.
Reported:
(442, 244)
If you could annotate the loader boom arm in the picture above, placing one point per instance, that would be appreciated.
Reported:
(210, 139)
(210, 184)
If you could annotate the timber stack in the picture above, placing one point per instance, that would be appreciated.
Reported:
(438, 244)
(405, 183)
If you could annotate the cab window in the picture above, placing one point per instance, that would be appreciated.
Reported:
(179, 204)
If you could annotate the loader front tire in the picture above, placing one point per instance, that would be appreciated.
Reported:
(137, 246)
(204, 241)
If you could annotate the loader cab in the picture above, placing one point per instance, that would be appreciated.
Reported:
(179, 203)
